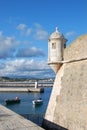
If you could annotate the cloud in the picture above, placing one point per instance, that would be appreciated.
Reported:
(24, 30)
(26, 68)
(71, 33)
(7, 46)
(30, 52)
(37, 26)
(21, 26)
(0, 33)
(10, 47)
(40, 33)
(28, 31)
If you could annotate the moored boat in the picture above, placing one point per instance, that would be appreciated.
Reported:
(37, 102)
(12, 101)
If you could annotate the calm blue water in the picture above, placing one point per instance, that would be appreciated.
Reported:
(26, 108)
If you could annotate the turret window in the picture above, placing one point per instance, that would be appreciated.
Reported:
(53, 45)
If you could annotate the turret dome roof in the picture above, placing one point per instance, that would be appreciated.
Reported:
(56, 34)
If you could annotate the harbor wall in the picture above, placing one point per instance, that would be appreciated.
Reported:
(21, 89)
(10, 120)
(67, 108)
(22, 84)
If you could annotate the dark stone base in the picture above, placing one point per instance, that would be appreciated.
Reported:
(47, 125)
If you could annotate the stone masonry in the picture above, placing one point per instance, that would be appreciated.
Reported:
(67, 108)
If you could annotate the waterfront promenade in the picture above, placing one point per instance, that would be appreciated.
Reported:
(10, 120)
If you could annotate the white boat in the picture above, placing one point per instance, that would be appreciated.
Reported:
(37, 102)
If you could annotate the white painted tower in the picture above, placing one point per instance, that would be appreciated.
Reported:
(36, 85)
(56, 44)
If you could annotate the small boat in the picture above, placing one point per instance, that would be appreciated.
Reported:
(12, 101)
(37, 102)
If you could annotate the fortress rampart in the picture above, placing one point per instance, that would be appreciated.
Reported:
(67, 108)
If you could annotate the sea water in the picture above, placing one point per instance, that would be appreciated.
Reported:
(25, 107)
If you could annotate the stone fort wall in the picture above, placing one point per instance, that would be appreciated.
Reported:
(67, 108)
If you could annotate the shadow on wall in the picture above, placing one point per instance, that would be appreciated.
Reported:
(47, 125)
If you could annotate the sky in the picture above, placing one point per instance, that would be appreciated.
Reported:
(26, 25)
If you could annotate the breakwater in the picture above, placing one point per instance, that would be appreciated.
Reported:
(20, 89)
(23, 87)
(24, 84)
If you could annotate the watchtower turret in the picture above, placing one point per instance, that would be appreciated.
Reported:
(56, 44)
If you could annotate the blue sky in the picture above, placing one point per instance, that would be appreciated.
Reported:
(25, 26)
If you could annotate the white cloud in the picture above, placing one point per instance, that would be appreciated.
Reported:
(30, 52)
(0, 33)
(37, 26)
(40, 33)
(27, 68)
(71, 33)
(24, 30)
(21, 26)
(28, 31)
(7, 46)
